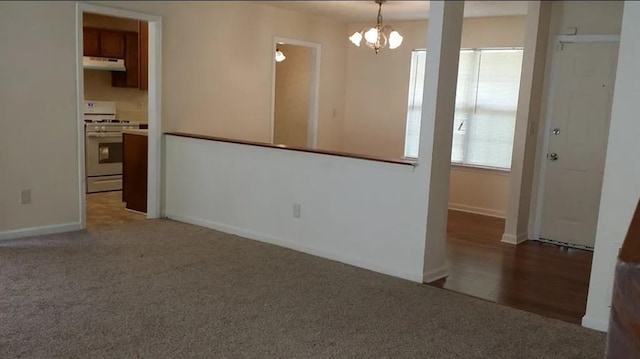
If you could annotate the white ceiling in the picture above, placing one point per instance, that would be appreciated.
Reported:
(394, 10)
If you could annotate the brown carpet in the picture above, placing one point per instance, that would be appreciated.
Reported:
(162, 289)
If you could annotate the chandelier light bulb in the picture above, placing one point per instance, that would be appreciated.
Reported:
(395, 40)
(371, 35)
(280, 56)
(356, 38)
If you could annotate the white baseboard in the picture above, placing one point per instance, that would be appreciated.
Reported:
(595, 324)
(39, 231)
(435, 274)
(313, 250)
(476, 210)
(512, 239)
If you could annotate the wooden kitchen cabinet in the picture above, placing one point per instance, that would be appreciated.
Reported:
(91, 42)
(131, 77)
(143, 45)
(112, 44)
(103, 43)
(134, 170)
(133, 47)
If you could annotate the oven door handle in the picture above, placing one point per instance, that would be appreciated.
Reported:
(104, 135)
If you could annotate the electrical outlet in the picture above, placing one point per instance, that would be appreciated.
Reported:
(25, 196)
(296, 210)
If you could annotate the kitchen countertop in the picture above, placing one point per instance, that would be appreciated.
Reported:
(137, 132)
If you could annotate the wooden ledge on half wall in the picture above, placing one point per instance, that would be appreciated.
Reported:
(623, 340)
(299, 149)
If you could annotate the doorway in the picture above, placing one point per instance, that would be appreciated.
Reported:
(295, 93)
(579, 112)
(118, 82)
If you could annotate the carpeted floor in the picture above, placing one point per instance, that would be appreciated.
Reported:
(162, 289)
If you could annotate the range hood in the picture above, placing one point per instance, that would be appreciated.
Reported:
(103, 63)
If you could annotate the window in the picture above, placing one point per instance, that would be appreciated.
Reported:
(486, 103)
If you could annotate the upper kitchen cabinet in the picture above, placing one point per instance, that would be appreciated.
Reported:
(143, 42)
(103, 43)
(132, 46)
(91, 42)
(112, 44)
(136, 59)
(131, 77)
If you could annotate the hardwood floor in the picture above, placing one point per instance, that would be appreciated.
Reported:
(541, 278)
(107, 208)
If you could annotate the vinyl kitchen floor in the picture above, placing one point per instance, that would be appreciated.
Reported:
(107, 208)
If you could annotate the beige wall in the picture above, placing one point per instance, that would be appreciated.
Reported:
(589, 17)
(478, 190)
(376, 106)
(217, 59)
(217, 66)
(38, 123)
(292, 96)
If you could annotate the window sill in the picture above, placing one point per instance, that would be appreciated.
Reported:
(497, 170)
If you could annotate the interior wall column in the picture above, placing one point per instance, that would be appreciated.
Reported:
(436, 131)
(527, 118)
(621, 182)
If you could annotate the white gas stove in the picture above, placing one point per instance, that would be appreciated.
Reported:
(103, 146)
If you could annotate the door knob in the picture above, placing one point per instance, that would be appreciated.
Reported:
(556, 131)
(552, 156)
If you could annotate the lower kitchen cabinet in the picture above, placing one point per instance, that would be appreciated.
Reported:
(134, 169)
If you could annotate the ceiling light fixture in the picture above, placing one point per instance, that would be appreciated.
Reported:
(379, 36)
(280, 56)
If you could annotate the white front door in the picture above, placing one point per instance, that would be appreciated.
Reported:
(580, 106)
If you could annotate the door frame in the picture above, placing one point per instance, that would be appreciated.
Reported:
(155, 180)
(542, 158)
(314, 87)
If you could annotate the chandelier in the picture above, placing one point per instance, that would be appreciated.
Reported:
(379, 36)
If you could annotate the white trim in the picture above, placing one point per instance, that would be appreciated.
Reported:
(40, 231)
(312, 250)
(497, 170)
(82, 178)
(314, 91)
(155, 182)
(155, 179)
(567, 39)
(513, 239)
(477, 210)
(542, 158)
(595, 324)
(435, 274)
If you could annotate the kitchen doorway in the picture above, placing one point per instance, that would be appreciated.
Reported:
(296, 77)
(119, 127)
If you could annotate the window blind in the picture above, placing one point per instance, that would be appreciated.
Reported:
(486, 104)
